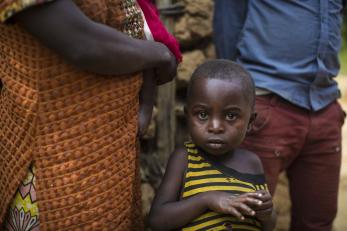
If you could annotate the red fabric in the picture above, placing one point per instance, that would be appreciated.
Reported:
(307, 145)
(159, 32)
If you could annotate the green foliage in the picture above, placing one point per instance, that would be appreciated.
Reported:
(343, 60)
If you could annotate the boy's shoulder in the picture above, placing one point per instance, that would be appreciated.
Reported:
(250, 161)
(184, 149)
(180, 150)
(179, 155)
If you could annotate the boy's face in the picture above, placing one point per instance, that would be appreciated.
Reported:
(218, 115)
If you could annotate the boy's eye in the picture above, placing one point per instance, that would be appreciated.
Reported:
(202, 115)
(230, 116)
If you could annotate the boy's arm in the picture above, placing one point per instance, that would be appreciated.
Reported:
(63, 27)
(270, 224)
(265, 212)
(168, 212)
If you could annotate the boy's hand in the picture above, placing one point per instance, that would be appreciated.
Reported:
(263, 212)
(236, 205)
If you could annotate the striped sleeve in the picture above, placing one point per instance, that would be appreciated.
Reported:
(262, 187)
(8, 8)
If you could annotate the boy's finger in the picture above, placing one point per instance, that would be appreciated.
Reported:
(253, 202)
(264, 212)
(268, 210)
(265, 205)
(251, 194)
(263, 195)
(244, 209)
(235, 213)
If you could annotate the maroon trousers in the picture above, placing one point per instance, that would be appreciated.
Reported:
(307, 145)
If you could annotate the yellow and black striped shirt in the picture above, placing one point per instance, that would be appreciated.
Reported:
(204, 175)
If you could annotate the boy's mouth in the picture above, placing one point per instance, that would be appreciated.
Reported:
(215, 143)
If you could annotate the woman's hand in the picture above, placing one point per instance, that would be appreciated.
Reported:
(167, 70)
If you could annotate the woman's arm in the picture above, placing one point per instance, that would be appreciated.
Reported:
(92, 46)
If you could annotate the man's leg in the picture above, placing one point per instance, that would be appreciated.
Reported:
(277, 135)
(314, 175)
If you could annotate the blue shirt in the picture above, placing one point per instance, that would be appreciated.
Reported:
(290, 47)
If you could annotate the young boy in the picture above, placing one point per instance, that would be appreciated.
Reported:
(211, 184)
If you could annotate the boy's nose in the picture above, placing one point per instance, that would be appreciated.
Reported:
(215, 126)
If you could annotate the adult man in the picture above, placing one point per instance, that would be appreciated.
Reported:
(291, 49)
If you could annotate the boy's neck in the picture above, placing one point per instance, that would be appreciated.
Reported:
(237, 159)
(222, 158)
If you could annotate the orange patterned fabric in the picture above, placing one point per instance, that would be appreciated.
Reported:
(77, 128)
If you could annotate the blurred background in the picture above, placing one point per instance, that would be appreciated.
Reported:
(341, 220)
(191, 23)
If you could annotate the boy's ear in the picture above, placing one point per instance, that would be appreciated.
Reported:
(251, 121)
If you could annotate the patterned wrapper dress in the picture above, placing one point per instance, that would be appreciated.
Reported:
(68, 147)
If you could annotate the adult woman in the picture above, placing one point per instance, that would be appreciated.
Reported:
(70, 110)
